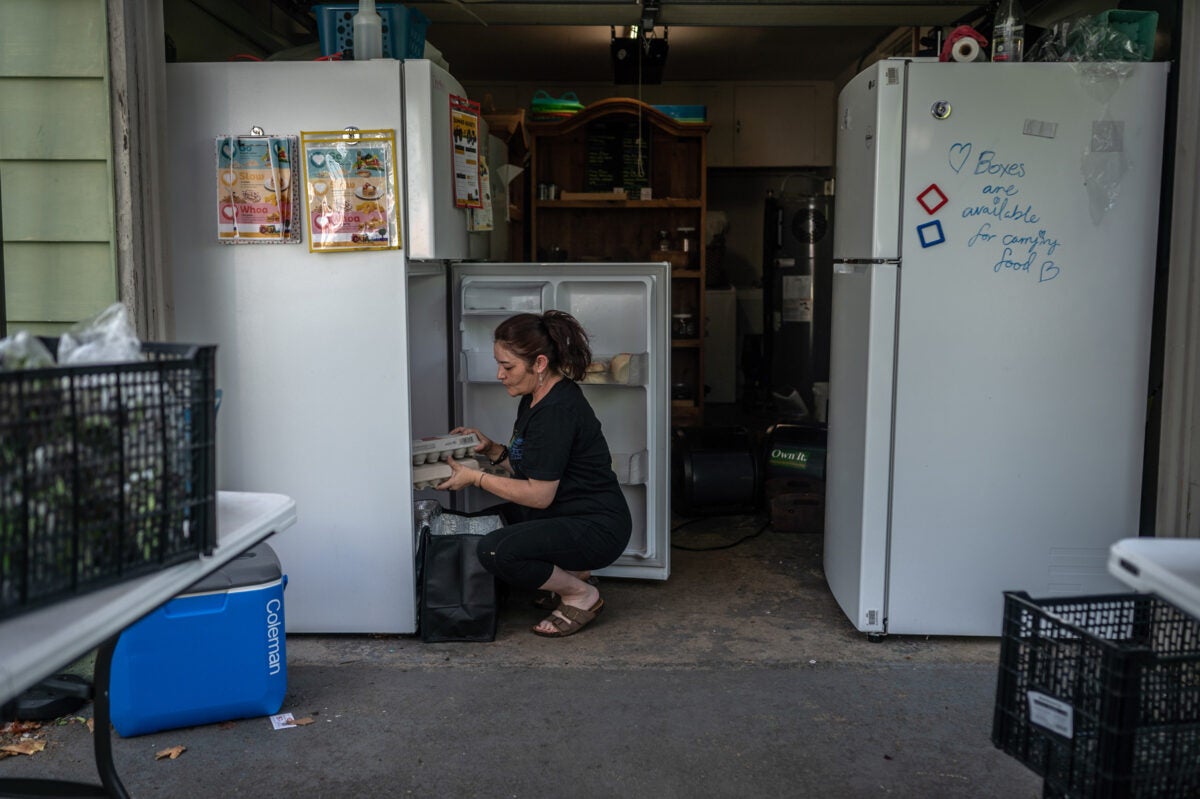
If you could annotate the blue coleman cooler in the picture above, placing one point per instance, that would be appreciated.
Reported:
(213, 654)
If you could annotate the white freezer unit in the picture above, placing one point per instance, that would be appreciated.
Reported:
(870, 113)
(435, 229)
(313, 350)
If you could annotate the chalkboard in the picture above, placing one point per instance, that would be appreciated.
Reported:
(612, 157)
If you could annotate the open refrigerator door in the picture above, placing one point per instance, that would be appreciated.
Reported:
(624, 309)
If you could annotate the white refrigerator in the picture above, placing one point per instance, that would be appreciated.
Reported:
(330, 364)
(992, 302)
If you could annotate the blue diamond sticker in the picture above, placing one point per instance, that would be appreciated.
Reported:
(931, 233)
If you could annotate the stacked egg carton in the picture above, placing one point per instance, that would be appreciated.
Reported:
(431, 455)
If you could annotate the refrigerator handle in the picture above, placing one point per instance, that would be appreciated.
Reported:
(851, 269)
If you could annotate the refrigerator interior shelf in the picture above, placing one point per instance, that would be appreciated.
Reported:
(429, 475)
(631, 468)
(488, 298)
(646, 552)
(622, 369)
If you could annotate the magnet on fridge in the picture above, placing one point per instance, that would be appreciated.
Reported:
(931, 233)
(932, 198)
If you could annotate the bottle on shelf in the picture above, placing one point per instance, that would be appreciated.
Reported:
(1008, 32)
(368, 32)
(687, 243)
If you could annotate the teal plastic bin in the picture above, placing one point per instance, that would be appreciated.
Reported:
(1139, 26)
(403, 29)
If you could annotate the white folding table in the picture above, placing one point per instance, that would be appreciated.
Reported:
(1168, 567)
(35, 644)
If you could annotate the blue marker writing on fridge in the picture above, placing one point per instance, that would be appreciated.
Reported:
(1035, 242)
(986, 165)
(1001, 210)
(982, 235)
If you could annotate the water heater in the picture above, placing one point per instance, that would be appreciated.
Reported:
(797, 292)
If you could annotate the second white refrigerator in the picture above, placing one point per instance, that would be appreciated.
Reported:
(992, 303)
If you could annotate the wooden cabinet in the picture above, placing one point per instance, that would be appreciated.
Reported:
(658, 164)
(783, 125)
(762, 124)
(753, 124)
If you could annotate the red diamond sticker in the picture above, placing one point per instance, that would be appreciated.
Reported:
(932, 198)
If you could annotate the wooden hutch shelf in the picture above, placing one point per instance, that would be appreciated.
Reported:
(626, 145)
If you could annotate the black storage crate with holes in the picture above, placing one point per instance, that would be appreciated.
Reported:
(1101, 695)
(107, 472)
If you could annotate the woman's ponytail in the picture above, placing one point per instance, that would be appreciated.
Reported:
(555, 334)
(570, 344)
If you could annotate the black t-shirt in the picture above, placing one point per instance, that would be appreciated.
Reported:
(560, 439)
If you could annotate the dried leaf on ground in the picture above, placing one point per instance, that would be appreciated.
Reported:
(91, 725)
(227, 725)
(23, 747)
(172, 753)
(303, 722)
(19, 727)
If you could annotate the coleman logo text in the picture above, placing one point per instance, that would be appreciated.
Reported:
(274, 623)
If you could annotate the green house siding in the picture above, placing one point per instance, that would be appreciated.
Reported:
(56, 174)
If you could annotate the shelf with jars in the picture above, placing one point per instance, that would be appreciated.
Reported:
(622, 182)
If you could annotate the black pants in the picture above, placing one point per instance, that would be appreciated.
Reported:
(525, 552)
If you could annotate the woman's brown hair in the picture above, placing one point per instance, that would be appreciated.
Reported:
(555, 334)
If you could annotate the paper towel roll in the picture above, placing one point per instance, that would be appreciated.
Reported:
(965, 49)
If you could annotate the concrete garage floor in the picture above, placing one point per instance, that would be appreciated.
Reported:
(737, 677)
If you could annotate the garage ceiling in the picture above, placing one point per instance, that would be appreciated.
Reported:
(562, 42)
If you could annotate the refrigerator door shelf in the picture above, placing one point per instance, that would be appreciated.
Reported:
(622, 369)
(631, 468)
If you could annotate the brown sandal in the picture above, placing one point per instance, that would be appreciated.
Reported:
(550, 600)
(571, 621)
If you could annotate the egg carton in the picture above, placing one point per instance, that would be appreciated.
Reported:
(442, 448)
(431, 475)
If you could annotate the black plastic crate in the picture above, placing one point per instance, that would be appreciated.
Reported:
(107, 472)
(1101, 695)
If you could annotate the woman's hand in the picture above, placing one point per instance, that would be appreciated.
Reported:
(460, 477)
(486, 447)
